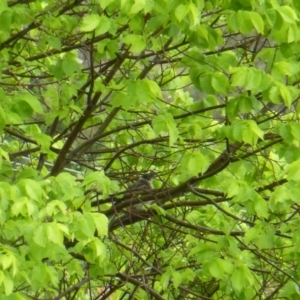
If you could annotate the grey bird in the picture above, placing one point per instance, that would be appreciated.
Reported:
(144, 183)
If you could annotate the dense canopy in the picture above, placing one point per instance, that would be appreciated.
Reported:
(203, 95)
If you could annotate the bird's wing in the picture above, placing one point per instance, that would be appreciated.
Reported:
(142, 184)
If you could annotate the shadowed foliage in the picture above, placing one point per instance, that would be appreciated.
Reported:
(201, 98)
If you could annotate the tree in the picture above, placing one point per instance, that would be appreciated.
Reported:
(203, 93)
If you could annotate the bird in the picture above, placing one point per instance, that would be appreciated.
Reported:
(144, 183)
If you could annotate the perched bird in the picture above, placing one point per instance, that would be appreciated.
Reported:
(144, 183)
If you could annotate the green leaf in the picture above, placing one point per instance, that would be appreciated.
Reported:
(220, 83)
(165, 123)
(206, 82)
(238, 279)
(285, 68)
(284, 93)
(98, 250)
(39, 276)
(90, 22)
(9, 260)
(215, 270)
(160, 211)
(99, 180)
(281, 199)
(104, 25)
(232, 22)
(154, 89)
(244, 21)
(136, 42)
(6, 18)
(65, 185)
(192, 164)
(119, 99)
(260, 206)
(23, 207)
(76, 108)
(232, 108)
(2, 119)
(248, 131)
(287, 14)
(246, 104)
(178, 278)
(255, 129)
(142, 91)
(194, 217)
(53, 276)
(293, 33)
(40, 235)
(250, 79)
(54, 233)
(173, 131)
(239, 76)
(54, 206)
(164, 280)
(33, 102)
(54, 42)
(44, 141)
(295, 130)
(101, 223)
(8, 284)
(285, 131)
(293, 171)
(289, 291)
(266, 239)
(188, 79)
(138, 6)
(257, 22)
(31, 188)
(253, 232)
(85, 226)
(104, 3)
(181, 11)
(70, 65)
(248, 275)
(194, 14)
(57, 70)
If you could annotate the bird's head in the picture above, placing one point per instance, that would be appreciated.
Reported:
(148, 176)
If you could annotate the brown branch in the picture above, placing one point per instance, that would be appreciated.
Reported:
(18, 35)
(20, 135)
(133, 145)
(139, 283)
(61, 159)
(219, 207)
(142, 123)
(86, 145)
(72, 288)
(201, 228)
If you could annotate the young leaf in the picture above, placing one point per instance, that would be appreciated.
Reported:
(40, 235)
(287, 14)
(136, 42)
(8, 284)
(165, 123)
(90, 22)
(138, 6)
(101, 223)
(54, 233)
(181, 11)
(293, 171)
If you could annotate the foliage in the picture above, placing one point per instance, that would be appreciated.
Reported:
(94, 94)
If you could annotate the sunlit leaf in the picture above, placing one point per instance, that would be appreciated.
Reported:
(90, 22)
